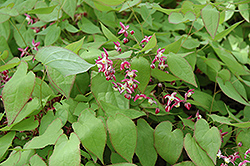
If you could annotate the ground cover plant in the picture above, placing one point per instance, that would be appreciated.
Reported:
(124, 82)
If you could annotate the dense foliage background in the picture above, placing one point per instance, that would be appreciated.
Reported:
(124, 82)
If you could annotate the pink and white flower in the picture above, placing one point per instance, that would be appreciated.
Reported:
(124, 29)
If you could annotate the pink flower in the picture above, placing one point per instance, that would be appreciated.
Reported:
(117, 46)
(189, 93)
(24, 51)
(151, 101)
(28, 18)
(146, 39)
(132, 32)
(171, 98)
(246, 153)
(125, 40)
(240, 144)
(197, 115)
(35, 45)
(222, 134)
(125, 87)
(157, 110)
(244, 163)
(159, 55)
(124, 29)
(141, 96)
(124, 65)
(127, 96)
(187, 105)
(131, 73)
(162, 65)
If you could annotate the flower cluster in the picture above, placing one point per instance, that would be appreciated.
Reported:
(124, 30)
(4, 75)
(172, 98)
(25, 51)
(129, 83)
(105, 65)
(32, 21)
(159, 58)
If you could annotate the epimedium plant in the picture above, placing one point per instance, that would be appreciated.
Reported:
(125, 82)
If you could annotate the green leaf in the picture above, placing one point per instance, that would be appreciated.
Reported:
(53, 35)
(88, 27)
(112, 110)
(69, 6)
(102, 90)
(62, 110)
(243, 138)
(4, 55)
(122, 132)
(59, 82)
(5, 142)
(167, 143)
(91, 132)
(211, 17)
(208, 139)
(5, 46)
(146, 14)
(45, 10)
(42, 89)
(111, 2)
(66, 152)
(176, 18)
(63, 60)
(195, 153)
(12, 63)
(124, 55)
(25, 125)
(166, 11)
(162, 76)
(173, 47)
(145, 144)
(109, 34)
(17, 91)
(5, 30)
(129, 4)
(76, 46)
(181, 68)
(227, 31)
(230, 91)
(37, 160)
(185, 163)
(54, 15)
(143, 75)
(9, 11)
(244, 12)
(151, 44)
(49, 137)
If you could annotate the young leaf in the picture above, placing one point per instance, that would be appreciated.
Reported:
(211, 17)
(227, 31)
(88, 27)
(151, 44)
(181, 68)
(122, 132)
(44, 10)
(63, 60)
(17, 91)
(167, 143)
(76, 46)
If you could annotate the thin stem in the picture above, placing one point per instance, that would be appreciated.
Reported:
(137, 21)
(187, 36)
(18, 32)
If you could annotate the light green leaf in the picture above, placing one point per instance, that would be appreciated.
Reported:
(12, 63)
(45, 10)
(243, 138)
(162, 76)
(69, 6)
(5, 29)
(4, 55)
(129, 4)
(66, 152)
(167, 143)
(151, 44)
(244, 11)
(52, 35)
(37, 160)
(111, 2)
(181, 68)
(176, 18)
(185, 163)
(76, 46)
(5, 142)
(9, 11)
(42, 89)
(146, 14)
(63, 60)
(195, 153)
(123, 135)
(145, 144)
(17, 91)
(88, 27)
(91, 132)
(211, 17)
(227, 31)
(54, 15)
(143, 75)
(109, 34)
(208, 139)
(173, 47)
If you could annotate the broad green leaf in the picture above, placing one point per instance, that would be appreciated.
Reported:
(49, 137)
(239, 87)
(166, 11)
(27, 36)
(243, 138)
(143, 75)
(53, 35)
(195, 153)
(81, 84)
(227, 31)
(176, 18)
(63, 60)
(4, 18)
(146, 14)
(124, 55)
(168, 144)
(151, 44)
(37, 160)
(25, 6)
(230, 91)
(76, 46)
(5, 29)
(185, 163)
(211, 17)
(181, 68)
(69, 6)
(123, 135)
(59, 82)
(244, 11)
(46, 121)
(5, 142)
(173, 47)
(109, 34)
(102, 90)
(42, 89)
(88, 27)
(62, 110)
(4, 55)
(12, 63)
(111, 2)
(24, 125)
(5, 46)
(17, 91)
(116, 158)
(112, 110)
(224, 120)
(129, 4)
(91, 132)
(66, 152)
(162, 76)
(123, 164)
(9, 11)
(45, 10)
(54, 15)
(208, 139)
(145, 144)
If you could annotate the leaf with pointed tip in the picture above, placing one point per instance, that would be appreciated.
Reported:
(63, 60)
(37, 160)
(5, 142)
(17, 91)
(122, 132)
(185, 163)
(151, 44)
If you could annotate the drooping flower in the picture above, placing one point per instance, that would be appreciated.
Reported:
(240, 144)
(29, 19)
(171, 98)
(35, 45)
(197, 115)
(131, 73)
(141, 96)
(189, 93)
(222, 134)
(244, 163)
(246, 153)
(132, 32)
(24, 51)
(124, 29)
(146, 39)
(125, 40)
(117, 46)
(125, 64)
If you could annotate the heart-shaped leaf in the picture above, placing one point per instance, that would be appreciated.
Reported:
(195, 153)
(122, 132)
(168, 144)
(208, 139)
